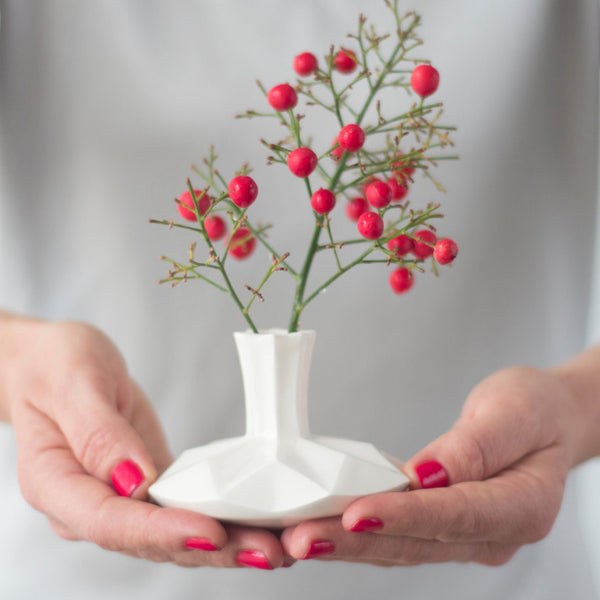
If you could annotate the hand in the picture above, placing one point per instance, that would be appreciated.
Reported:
(80, 422)
(506, 460)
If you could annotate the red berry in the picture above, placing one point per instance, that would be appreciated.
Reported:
(356, 207)
(367, 183)
(305, 64)
(243, 190)
(424, 243)
(445, 251)
(186, 199)
(401, 280)
(282, 97)
(322, 201)
(215, 227)
(424, 80)
(336, 151)
(405, 167)
(351, 138)
(399, 190)
(302, 162)
(345, 61)
(400, 245)
(370, 225)
(379, 194)
(242, 243)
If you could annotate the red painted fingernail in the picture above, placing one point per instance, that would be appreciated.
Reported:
(319, 548)
(432, 475)
(253, 558)
(126, 478)
(370, 524)
(195, 543)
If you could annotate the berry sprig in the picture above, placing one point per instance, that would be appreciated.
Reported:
(372, 164)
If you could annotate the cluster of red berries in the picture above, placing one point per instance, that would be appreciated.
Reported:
(303, 161)
(376, 193)
(422, 245)
(242, 191)
(344, 62)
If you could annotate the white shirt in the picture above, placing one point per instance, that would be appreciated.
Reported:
(104, 106)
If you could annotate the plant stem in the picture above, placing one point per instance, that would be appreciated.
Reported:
(332, 245)
(264, 242)
(298, 306)
(220, 263)
(299, 302)
(337, 275)
(237, 301)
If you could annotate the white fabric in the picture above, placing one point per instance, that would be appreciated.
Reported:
(103, 106)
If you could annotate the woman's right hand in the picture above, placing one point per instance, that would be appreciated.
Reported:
(90, 445)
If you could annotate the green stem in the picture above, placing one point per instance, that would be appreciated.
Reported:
(237, 301)
(261, 239)
(344, 243)
(336, 96)
(299, 302)
(317, 101)
(310, 253)
(337, 275)
(173, 224)
(220, 263)
(363, 51)
(298, 305)
(256, 292)
(185, 269)
(419, 111)
(333, 246)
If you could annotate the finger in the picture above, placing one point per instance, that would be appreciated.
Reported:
(499, 424)
(307, 540)
(519, 506)
(243, 547)
(83, 507)
(61, 530)
(103, 441)
(246, 547)
(95, 512)
(53, 481)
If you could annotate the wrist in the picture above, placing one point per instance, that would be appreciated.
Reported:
(580, 376)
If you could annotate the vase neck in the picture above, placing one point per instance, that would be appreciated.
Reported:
(275, 368)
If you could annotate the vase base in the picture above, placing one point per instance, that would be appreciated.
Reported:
(264, 482)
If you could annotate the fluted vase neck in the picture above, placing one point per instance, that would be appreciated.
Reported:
(275, 369)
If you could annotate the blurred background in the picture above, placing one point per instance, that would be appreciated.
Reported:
(110, 102)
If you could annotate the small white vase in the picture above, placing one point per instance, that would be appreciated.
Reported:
(277, 474)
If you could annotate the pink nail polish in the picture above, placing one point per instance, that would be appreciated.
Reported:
(195, 543)
(253, 558)
(432, 475)
(319, 548)
(369, 524)
(126, 478)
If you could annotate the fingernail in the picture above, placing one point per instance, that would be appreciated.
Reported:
(370, 524)
(126, 478)
(432, 475)
(319, 548)
(195, 543)
(253, 558)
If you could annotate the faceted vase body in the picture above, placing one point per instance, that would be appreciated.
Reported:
(277, 474)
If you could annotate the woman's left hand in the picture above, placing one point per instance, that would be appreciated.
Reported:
(504, 463)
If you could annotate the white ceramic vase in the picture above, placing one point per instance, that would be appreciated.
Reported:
(277, 474)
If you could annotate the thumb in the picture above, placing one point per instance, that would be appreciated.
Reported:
(499, 425)
(104, 441)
